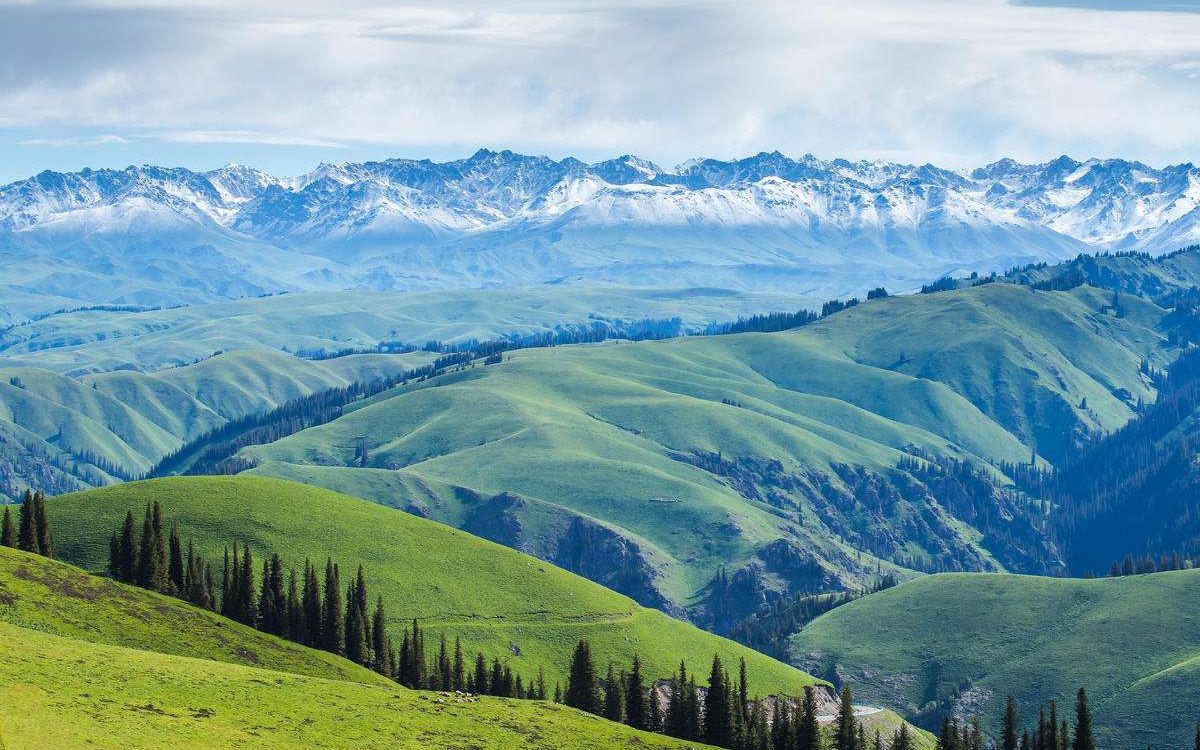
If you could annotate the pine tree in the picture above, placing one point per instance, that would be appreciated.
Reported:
(479, 681)
(458, 676)
(272, 600)
(147, 572)
(781, 725)
(635, 697)
(210, 596)
(743, 692)
(333, 628)
(654, 714)
(948, 737)
(160, 582)
(444, 678)
(311, 604)
(582, 692)
(1083, 723)
(673, 722)
(718, 715)
(1009, 726)
(902, 740)
(845, 734)
(27, 537)
(691, 710)
(357, 647)
(294, 629)
(8, 532)
(228, 579)
(175, 571)
(808, 734)
(380, 645)
(247, 607)
(1052, 737)
(614, 702)
(558, 694)
(42, 525)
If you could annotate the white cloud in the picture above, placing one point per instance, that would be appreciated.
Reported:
(107, 139)
(958, 81)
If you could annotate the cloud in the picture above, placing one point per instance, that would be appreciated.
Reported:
(957, 81)
(245, 136)
(106, 139)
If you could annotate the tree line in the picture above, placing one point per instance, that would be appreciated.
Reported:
(31, 531)
(304, 607)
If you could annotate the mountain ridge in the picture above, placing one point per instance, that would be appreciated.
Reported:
(817, 228)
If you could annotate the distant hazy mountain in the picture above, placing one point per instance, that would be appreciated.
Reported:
(152, 235)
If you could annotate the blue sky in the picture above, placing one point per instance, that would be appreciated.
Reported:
(286, 85)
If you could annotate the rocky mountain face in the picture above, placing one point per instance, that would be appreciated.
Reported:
(158, 236)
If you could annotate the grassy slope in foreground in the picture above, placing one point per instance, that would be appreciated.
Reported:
(63, 693)
(496, 599)
(60, 599)
(1133, 642)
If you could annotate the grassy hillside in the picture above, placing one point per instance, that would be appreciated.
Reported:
(95, 429)
(969, 640)
(63, 693)
(96, 341)
(53, 597)
(499, 601)
(774, 450)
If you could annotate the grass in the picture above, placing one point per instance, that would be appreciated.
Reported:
(1133, 642)
(497, 600)
(594, 431)
(58, 692)
(60, 599)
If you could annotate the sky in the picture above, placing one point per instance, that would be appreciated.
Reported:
(286, 84)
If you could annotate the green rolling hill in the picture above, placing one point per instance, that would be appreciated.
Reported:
(773, 456)
(69, 433)
(85, 662)
(498, 601)
(965, 641)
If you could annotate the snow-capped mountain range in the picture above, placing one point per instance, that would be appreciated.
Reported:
(153, 235)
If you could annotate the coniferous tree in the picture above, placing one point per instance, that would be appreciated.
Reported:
(444, 677)
(860, 736)
(228, 585)
(1009, 726)
(8, 532)
(743, 692)
(902, 740)
(635, 697)
(247, 607)
(582, 691)
(675, 722)
(27, 537)
(558, 694)
(614, 702)
(333, 628)
(295, 611)
(272, 599)
(210, 596)
(654, 712)
(541, 684)
(147, 572)
(127, 550)
(380, 645)
(458, 677)
(693, 723)
(948, 737)
(781, 726)
(1197, 744)
(844, 738)
(479, 681)
(1026, 741)
(42, 525)
(175, 570)
(718, 714)
(808, 734)
(160, 581)
(1052, 737)
(311, 605)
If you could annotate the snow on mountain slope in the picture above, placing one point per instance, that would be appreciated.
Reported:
(805, 225)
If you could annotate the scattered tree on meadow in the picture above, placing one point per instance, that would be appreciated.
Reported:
(582, 691)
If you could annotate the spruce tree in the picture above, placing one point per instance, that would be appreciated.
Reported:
(673, 722)
(479, 681)
(654, 713)
(458, 677)
(27, 537)
(948, 736)
(333, 628)
(175, 570)
(228, 582)
(692, 721)
(1009, 726)
(582, 691)
(357, 625)
(635, 697)
(294, 629)
(42, 525)
(614, 701)
(147, 560)
(160, 582)
(844, 737)
(718, 714)
(247, 607)
(8, 532)
(1052, 736)
(902, 740)
(781, 725)
(312, 606)
(272, 599)
(808, 733)
(380, 646)
(558, 694)
(443, 678)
